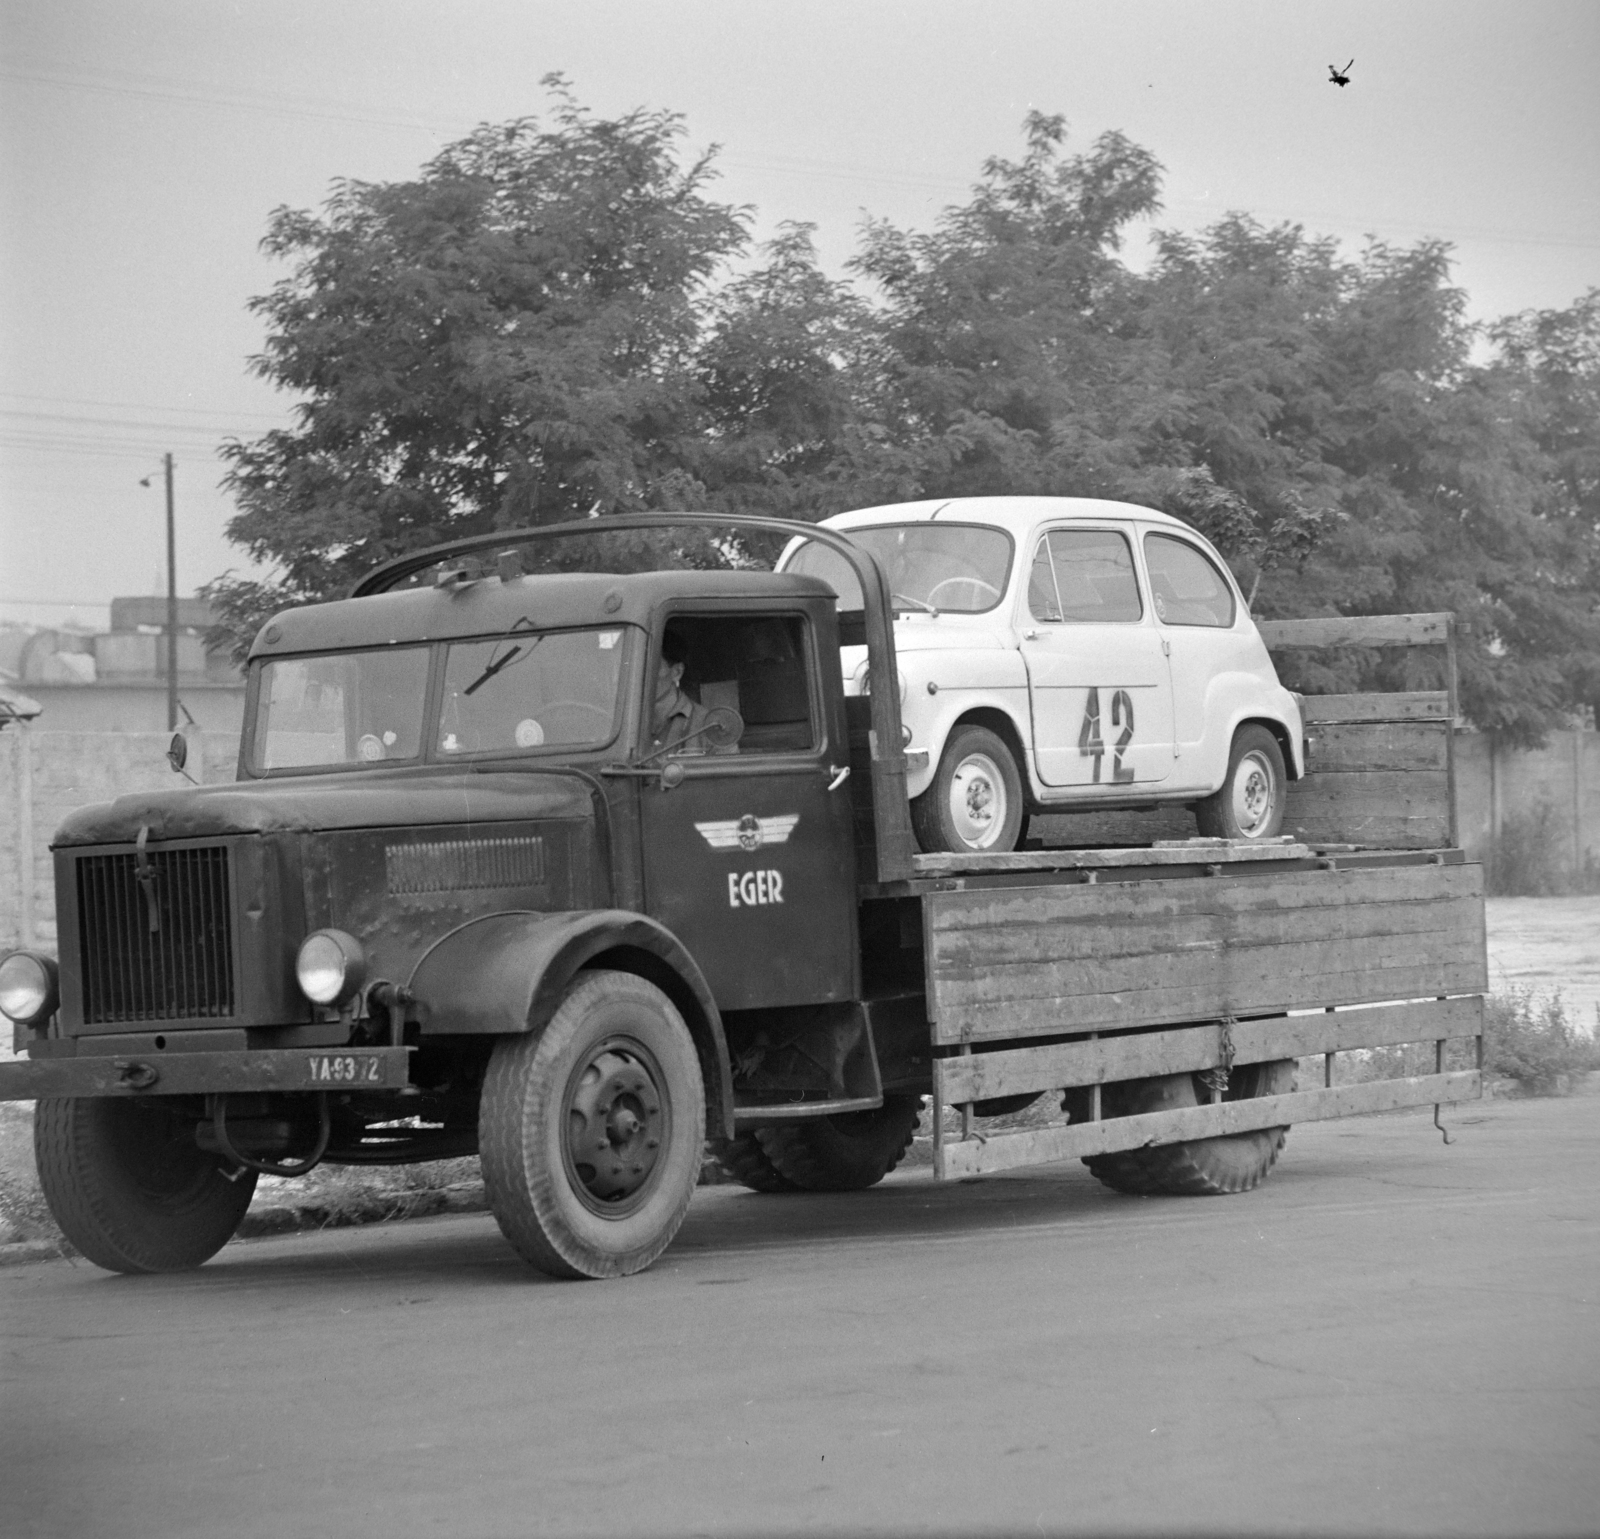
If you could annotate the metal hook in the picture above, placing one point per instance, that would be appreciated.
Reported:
(1441, 1127)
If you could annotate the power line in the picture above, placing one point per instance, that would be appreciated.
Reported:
(72, 400)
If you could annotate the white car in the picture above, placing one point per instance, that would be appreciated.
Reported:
(1059, 654)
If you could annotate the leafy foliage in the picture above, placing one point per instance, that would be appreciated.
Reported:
(548, 322)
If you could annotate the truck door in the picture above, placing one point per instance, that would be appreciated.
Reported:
(750, 860)
(1098, 682)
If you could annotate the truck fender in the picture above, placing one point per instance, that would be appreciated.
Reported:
(505, 973)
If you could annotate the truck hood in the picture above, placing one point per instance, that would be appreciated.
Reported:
(364, 799)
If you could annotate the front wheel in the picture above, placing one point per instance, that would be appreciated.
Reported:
(1203, 1167)
(591, 1130)
(129, 1185)
(974, 805)
(1250, 803)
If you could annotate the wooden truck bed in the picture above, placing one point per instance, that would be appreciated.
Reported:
(1364, 928)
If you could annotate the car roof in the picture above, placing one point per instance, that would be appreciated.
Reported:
(490, 606)
(1017, 515)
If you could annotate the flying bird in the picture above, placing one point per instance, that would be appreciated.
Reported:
(1340, 77)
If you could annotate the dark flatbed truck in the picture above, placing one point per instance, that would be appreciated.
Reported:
(547, 941)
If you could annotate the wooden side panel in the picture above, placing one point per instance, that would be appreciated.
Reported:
(1004, 1151)
(1419, 630)
(1015, 1071)
(1041, 960)
(1363, 747)
(1386, 809)
(1413, 705)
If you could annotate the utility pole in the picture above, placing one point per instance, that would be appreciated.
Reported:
(172, 605)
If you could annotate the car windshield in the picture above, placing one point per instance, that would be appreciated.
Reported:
(340, 708)
(952, 568)
(529, 690)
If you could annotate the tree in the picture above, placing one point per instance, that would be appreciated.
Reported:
(508, 339)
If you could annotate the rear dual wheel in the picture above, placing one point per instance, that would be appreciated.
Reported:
(1202, 1167)
(844, 1153)
(591, 1130)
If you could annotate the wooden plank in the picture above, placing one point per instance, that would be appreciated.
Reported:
(1408, 705)
(1006, 1151)
(1418, 630)
(1016, 1071)
(1051, 960)
(1386, 809)
(1187, 852)
(1350, 747)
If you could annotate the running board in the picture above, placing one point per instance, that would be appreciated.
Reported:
(981, 1155)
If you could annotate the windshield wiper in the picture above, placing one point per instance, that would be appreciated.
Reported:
(498, 664)
(899, 599)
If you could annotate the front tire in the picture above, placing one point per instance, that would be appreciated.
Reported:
(974, 805)
(130, 1187)
(845, 1153)
(1250, 803)
(1203, 1167)
(591, 1130)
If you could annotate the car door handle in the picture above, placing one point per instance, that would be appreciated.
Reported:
(839, 776)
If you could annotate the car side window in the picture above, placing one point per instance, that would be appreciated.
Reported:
(1084, 575)
(1185, 585)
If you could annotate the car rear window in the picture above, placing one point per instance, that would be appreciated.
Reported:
(1185, 585)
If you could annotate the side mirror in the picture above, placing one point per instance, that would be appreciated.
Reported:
(178, 752)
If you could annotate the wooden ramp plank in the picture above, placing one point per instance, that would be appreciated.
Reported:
(1050, 960)
(1006, 1151)
(1015, 1071)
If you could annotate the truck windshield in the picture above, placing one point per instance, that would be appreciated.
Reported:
(529, 690)
(953, 568)
(340, 708)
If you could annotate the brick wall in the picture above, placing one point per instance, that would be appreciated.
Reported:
(45, 775)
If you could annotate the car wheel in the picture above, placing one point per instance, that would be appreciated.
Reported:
(591, 1130)
(1250, 803)
(974, 805)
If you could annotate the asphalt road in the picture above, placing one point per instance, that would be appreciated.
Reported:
(1390, 1336)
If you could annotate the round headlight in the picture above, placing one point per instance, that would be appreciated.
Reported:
(331, 967)
(29, 987)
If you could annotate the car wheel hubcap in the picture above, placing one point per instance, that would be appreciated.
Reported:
(616, 1126)
(1252, 794)
(977, 801)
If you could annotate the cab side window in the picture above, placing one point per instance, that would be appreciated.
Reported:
(1185, 585)
(1083, 575)
(754, 664)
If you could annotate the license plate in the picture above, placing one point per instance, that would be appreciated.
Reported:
(345, 1069)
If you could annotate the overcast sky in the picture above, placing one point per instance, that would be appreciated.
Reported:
(146, 141)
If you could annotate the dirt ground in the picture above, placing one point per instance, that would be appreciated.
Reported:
(1546, 944)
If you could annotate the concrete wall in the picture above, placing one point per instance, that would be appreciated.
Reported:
(45, 775)
(1494, 783)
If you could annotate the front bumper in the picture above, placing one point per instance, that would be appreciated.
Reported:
(146, 1074)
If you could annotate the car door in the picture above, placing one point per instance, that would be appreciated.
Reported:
(1198, 614)
(1098, 683)
(750, 859)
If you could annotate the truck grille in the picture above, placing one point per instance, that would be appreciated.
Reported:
(175, 963)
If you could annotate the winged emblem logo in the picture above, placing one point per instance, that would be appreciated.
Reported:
(748, 832)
